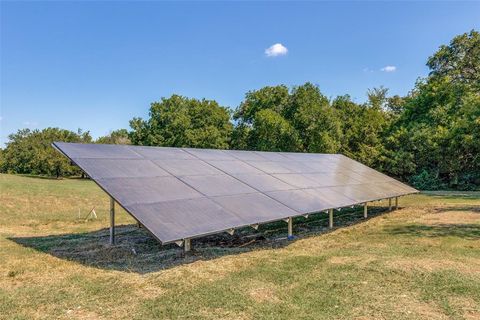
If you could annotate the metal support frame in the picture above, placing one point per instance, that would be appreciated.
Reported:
(389, 204)
(365, 210)
(330, 220)
(290, 228)
(112, 221)
(396, 203)
(187, 245)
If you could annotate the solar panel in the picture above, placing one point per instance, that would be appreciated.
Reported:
(260, 207)
(173, 220)
(217, 185)
(148, 190)
(263, 182)
(182, 193)
(301, 200)
(269, 166)
(121, 168)
(234, 167)
(190, 167)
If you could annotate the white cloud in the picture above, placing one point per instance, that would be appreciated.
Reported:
(389, 69)
(275, 50)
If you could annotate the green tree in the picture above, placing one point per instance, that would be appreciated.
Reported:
(314, 119)
(362, 127)
(459, 61)
(182, 122)
(271, 132)
(30, 152)
(394, 105)
(436, 138)
(274, 98)
(377, 98)
(304, 114)
(119, 136)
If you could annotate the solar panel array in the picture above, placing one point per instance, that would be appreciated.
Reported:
(179, 193)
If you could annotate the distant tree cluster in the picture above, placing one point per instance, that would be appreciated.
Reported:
(430, 138)
(30, 152)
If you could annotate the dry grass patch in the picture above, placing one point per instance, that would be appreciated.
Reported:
(355, 260)
(469, 309)
(79, 313)
(466, 216)
(261, 292)
(220, 314)
(467, 266)
(410, 306)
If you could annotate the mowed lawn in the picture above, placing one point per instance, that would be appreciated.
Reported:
(419, 262)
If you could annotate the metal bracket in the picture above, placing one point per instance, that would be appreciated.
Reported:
(179, 243)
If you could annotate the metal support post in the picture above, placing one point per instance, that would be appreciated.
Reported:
(187, 245)
(112, 221)
(330, 214)
(365, 210)
(290, 228)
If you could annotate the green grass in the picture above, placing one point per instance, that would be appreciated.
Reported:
(419, 262)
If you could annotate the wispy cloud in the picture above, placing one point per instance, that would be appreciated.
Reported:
(30, 123)
(276, 50)
(389, 69)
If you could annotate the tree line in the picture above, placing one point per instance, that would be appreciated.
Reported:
(429, 138)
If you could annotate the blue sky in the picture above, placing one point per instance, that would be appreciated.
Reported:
(96, 65)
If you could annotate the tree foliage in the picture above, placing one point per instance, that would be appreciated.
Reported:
(30, 152)
(182, 122)
(272, 133)
(119, 136)
(459, 61)
(298, 120)
(437, 136)
(435, 142)
(362, 128)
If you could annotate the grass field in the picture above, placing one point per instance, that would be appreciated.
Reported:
(419, 262)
